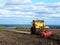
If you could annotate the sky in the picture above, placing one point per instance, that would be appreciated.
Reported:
(24, 11)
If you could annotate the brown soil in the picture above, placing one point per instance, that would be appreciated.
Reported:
(14, 38)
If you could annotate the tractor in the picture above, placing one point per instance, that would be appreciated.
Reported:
(39, 28)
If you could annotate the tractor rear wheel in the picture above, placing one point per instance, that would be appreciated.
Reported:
(33, 30)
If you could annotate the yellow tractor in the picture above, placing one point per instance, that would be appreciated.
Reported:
(39, 27)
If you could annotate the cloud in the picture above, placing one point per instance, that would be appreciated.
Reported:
(46, 8)
(14, 7)
(5, 12)
(17, 2)
(40, 10)
(55, 15)
(24, 13)
(1, 5)
(40, 3)
(17, 8)
(17, 16)
(54, 5)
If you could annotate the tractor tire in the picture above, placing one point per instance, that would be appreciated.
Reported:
(33, 30)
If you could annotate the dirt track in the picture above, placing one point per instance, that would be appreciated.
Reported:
(14, 38)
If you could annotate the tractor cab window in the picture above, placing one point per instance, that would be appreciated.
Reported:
(40, 21)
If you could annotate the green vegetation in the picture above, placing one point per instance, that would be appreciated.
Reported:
(2, 27)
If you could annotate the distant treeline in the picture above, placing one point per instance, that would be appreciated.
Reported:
(28, 26)
(54, 26)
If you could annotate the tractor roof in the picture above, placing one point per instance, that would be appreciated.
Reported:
(38, 20)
